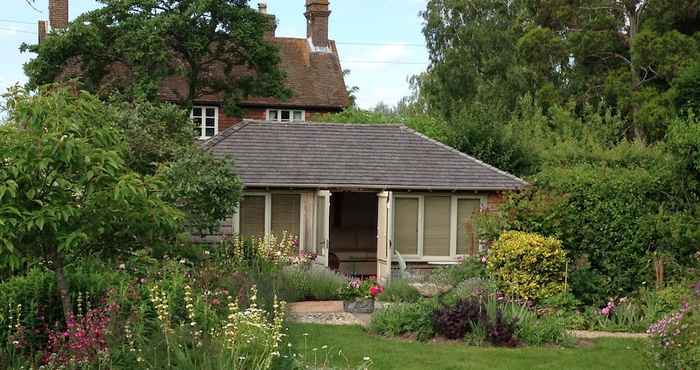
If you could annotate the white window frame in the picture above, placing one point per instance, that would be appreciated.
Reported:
(203, 125)
(420, 257)
(268, 214)
(291, 115)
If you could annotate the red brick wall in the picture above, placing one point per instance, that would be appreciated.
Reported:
(495, 200)
(261, 114)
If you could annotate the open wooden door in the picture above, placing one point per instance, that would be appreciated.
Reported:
(323, 210)
(385, 245)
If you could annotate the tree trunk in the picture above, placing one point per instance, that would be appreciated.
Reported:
(63, 291)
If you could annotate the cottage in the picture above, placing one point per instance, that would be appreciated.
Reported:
(362, 194)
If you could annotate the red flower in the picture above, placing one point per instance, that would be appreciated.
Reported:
(375, 290)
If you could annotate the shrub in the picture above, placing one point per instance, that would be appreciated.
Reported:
(314, 282)
(405, 319)
(399, 291)
(528, 266)
(501, 331)
(454, 322)
(675, 339)
(537, 330)
(469, 268)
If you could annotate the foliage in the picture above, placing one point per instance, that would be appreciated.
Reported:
(204, 188)
(34, 301)
(65, 188)
(537, 330)
(425, 124)
(675, 338)
(501, 331)
(468, 268)
(405, 319)
(311, 283)
(455, 321)
(142, 46)
(528, 266)
(581, 53)
(399, 291)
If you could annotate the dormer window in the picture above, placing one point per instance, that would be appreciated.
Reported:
(206, 121)
(286, 115)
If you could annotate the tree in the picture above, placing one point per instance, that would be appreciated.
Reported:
(625, 53)
(65, 188)
(185, 50)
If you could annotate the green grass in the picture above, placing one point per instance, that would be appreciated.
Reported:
(388, 354)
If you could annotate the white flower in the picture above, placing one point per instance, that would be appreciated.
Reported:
(366, 358)
(122, 266)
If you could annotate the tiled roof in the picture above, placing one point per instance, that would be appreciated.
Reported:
(326, 155)
(316, 79)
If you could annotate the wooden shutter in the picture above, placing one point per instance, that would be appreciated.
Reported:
(286, 214)
(252, 216)
(436, 232)
(406, 226)
(467, 242)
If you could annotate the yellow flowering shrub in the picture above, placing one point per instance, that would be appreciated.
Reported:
(527, 265)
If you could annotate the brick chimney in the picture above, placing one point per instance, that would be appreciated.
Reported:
(42, 31)
(317, 13)
(58, 14)
(262, 8)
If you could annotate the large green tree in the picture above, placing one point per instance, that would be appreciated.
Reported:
(66, 190)
(184, 49)
(626, 53)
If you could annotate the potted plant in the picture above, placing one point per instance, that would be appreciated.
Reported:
(358, 296)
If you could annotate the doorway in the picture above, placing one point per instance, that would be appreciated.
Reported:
(353, 233)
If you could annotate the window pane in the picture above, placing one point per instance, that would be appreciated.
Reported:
(197, 122)
(285, 214)
(252, 216)
(466, 236)
(211, 112)
(298, 116)
(406, 224)
(210, 132)
(273, 115)
(196, 112)
(285, 115)
(198, 132)
(436, 232)
(211, 122)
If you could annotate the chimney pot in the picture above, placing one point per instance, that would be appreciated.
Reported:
(262, 7)
(317, 14)
(58, 14)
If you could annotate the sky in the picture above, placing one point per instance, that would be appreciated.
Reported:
(379, 41)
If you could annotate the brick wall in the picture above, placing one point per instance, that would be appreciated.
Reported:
(261, 114)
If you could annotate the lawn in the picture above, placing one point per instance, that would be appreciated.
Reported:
(390, 354)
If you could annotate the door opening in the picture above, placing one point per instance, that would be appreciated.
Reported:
(353, 233)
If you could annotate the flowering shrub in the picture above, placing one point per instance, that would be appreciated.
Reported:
(528, 266)
(675, 339)
(82, 342)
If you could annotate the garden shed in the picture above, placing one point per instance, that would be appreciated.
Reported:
(359, 195)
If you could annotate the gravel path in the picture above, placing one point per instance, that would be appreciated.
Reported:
(583, 334)
(331, 318)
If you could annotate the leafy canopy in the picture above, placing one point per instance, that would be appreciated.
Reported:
(65, 188)
(186, 50)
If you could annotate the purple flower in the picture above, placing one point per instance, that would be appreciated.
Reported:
(696, 288)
